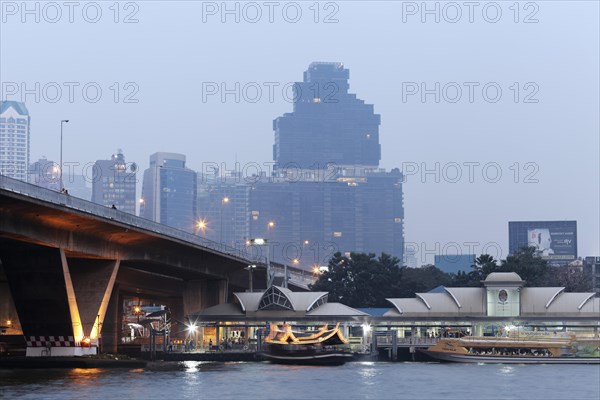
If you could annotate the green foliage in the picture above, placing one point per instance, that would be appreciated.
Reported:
(362, 280)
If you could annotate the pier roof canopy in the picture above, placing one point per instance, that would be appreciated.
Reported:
(279, 303)
(465, 302)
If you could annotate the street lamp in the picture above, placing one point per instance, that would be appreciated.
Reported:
(224, 201)
(62, 121)
(250, 269)
(262, 242)
(201, 225)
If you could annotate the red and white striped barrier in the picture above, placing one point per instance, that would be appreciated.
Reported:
(50, 341)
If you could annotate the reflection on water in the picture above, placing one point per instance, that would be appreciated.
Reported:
(507, 370)
(365, 380)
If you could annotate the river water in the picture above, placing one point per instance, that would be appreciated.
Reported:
(359, 380)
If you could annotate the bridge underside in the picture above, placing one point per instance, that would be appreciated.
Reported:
(69, 278)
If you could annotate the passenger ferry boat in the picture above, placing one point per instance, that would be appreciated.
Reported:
(321, 347)
(538, 348)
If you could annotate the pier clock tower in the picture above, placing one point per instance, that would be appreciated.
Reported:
(503, 291)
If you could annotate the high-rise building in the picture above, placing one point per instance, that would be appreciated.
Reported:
(169, 192)
(554, 241)
(328, 124)
(223, 209)
(454, 263)
(44, 173)
(14, 139)
(114, 183)
(306, 222)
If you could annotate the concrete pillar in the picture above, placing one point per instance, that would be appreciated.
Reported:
(36, 280)
(60, 301)
(9, 317)
(92, 282)
(111, 328)
(193, 296)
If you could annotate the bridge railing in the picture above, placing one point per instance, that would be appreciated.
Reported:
(88, 207)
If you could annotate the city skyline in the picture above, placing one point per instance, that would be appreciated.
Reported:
(538, 147)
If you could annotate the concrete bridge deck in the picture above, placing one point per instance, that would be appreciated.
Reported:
(67, 265)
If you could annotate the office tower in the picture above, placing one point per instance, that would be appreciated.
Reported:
(114, 183)
(306, 222)
(14, 139)
(44, 173)
(223, 213)
(169, 192)
(328, 125)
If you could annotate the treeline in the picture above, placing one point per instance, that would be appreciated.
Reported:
(364, 280)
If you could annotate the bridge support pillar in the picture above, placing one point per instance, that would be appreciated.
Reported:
(201, 294)
(60, 307)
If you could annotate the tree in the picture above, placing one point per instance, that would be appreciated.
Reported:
(484, 265)
(573, 279)
(530, 267)
(361, 280)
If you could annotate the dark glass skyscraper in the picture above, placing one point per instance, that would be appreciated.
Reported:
(114, 183)
(169, 192)
(328, 124)
(306, 222)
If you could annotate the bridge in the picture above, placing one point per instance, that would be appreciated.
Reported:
(70, 269)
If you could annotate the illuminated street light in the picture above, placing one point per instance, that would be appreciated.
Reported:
(262, 242)
(201, 226)
(224, 200)
(61, 152)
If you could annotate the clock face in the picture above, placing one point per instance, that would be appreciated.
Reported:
(502, 296)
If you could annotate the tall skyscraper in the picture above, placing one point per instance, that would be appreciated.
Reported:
(169, 192)
(14, 139)
(223, 212)
(114, 183)
(328, 124)
(306, 222)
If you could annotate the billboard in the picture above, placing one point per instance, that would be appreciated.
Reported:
(554, 240)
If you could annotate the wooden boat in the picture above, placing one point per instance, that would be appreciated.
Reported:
(531, 349)
(321, 347)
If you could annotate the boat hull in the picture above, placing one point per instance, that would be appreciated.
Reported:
(314, 359)
(460, 358)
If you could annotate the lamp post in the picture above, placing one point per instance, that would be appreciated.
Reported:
(224, 201)
(157, 183)
(250, 269)
(270, 225)
(62, 121)
(263, 242)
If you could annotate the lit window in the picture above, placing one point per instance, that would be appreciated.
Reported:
(337, 234)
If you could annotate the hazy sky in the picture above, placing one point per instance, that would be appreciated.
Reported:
(544, 124)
